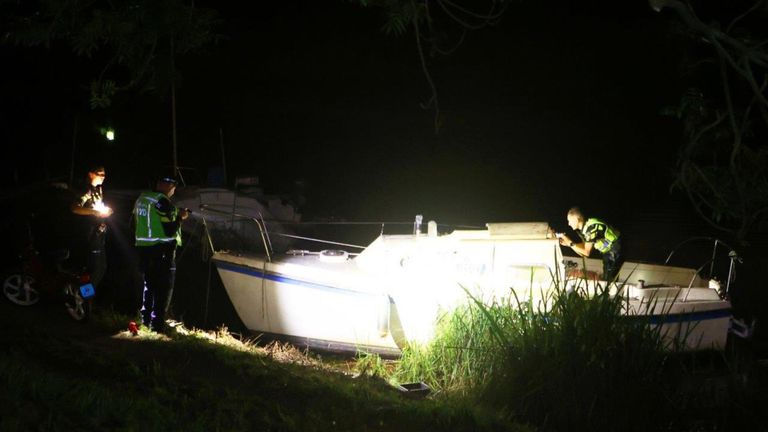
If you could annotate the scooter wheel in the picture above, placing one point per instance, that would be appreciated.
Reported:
(20, 289)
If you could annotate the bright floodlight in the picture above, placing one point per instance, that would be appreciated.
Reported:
(110, 134)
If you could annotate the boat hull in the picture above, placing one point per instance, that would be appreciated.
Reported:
(688, 319)
(302, 308)
(393, 292)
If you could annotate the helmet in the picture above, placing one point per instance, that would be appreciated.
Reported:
(167, 179)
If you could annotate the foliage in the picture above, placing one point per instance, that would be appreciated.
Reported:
(460, 357)
(369, 364)
(560, 362)
(134, 42)
(440, 28)
(723, 163)
(575, 362)
(581, 363)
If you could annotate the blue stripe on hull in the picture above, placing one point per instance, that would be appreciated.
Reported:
(250, 271)
(685, 317)
(319, 344)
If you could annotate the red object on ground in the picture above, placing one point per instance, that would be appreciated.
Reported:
(133, 328)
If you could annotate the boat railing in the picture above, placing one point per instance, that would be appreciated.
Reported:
(265, 233)
(733, 257)
(267, 243)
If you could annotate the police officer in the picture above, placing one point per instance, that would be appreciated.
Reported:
(90, 204)
(594, 233)
(157, 234)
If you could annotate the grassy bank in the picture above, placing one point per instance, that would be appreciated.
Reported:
(572, 365)
(59, 375)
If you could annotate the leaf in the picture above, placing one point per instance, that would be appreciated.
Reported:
(102, 93)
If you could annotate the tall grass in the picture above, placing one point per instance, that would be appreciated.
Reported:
(580, 362)
(569, 361)
(573, 360)
(462, 354)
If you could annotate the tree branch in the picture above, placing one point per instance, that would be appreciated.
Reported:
(754, 7)
(425, 69)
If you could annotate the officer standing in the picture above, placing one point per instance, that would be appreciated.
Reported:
(594, 233)
(91, 205)
(157, 234)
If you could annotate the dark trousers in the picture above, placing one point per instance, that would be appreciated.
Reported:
(97, 254)
(158, 267)
(612, 261)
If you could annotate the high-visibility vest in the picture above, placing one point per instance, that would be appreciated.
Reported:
(604, 244)
(149, 221)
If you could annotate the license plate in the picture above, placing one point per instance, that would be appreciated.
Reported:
(87, 291)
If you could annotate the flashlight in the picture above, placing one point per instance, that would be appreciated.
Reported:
(101, 208)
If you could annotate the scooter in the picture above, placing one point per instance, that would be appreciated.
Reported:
(39, 278)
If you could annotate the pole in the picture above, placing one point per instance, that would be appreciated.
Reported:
(712, 261)
(72, 156)
(173, 110)
(223, 156)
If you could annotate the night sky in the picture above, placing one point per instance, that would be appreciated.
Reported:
(557, 105)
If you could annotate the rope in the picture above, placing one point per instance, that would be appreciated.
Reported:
(206, 207)
(208, 236)
(319, 240)
(183, 249)
(210, 264)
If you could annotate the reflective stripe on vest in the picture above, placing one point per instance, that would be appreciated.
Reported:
(149, 221)
(604, 244)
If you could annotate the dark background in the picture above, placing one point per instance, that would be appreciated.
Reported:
(557, 105)
(554, 106)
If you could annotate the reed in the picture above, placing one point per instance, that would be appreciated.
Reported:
(564, 360)
(582, 363)
(459, 357)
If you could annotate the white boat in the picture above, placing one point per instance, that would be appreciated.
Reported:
(394, 290)
(230, 216)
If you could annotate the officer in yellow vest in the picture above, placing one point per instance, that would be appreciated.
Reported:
(157, 233)
(594, 233)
